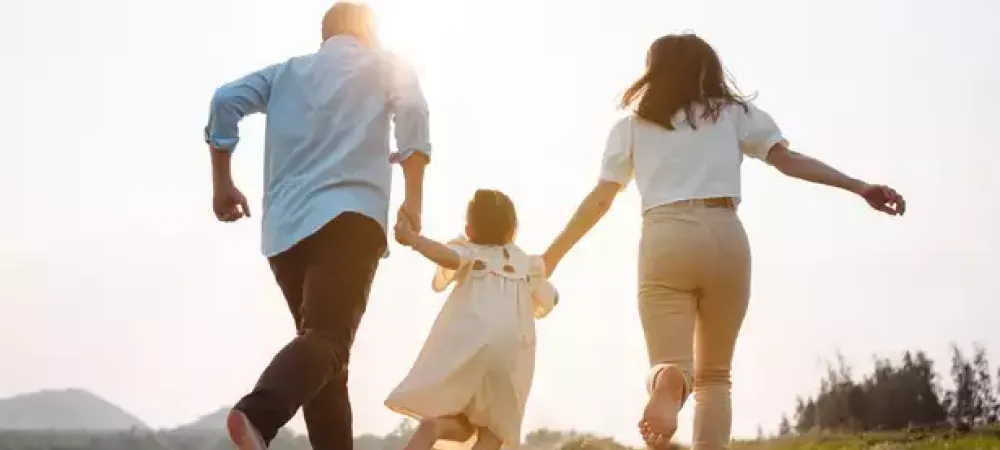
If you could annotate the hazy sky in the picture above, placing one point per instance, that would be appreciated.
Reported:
(115, 276)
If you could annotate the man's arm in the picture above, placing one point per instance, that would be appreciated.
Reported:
(413, 177)
(230, 104)
(411, 119)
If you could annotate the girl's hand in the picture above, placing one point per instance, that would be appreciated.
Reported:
(405, 235)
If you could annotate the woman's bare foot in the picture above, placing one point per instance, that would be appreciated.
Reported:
(659, 419)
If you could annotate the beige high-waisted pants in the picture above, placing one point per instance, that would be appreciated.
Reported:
(694, 286)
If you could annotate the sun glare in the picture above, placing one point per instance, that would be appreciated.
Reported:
(409, 28)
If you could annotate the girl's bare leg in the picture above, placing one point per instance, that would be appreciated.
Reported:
(455, 428)
(487, 440)
(425, 436)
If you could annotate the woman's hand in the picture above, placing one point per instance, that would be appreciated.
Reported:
(883, 198)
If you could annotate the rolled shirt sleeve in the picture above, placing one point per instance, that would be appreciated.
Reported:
(410, 114)
(234, 101)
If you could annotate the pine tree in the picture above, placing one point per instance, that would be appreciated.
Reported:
(961, 400)
(805, 415)
(996, 411)
(785, 427)
(927, 390)
(985, 400)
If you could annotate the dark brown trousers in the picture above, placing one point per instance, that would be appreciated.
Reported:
(326, 279)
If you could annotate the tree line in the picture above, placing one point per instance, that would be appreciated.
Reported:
(900, 394)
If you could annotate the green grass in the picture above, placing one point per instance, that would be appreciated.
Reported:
(986, 440)
(914, 440)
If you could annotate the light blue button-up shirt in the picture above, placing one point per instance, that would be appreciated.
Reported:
(326, 146)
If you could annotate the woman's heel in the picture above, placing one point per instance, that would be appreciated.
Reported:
(666, 396)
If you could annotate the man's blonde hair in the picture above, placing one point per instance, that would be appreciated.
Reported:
(349, 18)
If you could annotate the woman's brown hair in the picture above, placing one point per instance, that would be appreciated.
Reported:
(682, 72)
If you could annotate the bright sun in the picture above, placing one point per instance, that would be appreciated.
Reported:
(410, 28)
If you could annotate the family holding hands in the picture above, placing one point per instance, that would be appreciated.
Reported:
(327, 176)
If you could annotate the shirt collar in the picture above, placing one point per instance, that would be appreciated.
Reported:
(340, 41)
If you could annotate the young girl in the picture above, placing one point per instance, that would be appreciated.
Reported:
(473, 375)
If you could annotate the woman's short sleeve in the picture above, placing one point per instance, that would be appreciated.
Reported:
(616, 164)
(444, 277)
(544, 295)
(758, 132)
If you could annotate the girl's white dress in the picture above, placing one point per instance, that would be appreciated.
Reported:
(479, 358)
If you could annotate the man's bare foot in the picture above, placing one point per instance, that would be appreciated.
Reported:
(243, 434)
(659, 419)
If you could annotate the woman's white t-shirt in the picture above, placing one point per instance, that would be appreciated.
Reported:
(687, 164)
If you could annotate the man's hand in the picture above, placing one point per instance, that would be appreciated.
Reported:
(229, 203)
(411, 212)
(405, 234)
(883, 198)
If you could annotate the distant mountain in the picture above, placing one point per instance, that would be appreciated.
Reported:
(215, 421)
(68, 409)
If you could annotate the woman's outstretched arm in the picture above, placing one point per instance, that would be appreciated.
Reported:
(590, 211)
(807, 168)
(804, 167)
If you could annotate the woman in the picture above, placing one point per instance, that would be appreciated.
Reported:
(683, 143)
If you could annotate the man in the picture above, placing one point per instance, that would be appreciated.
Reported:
(326, 194)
